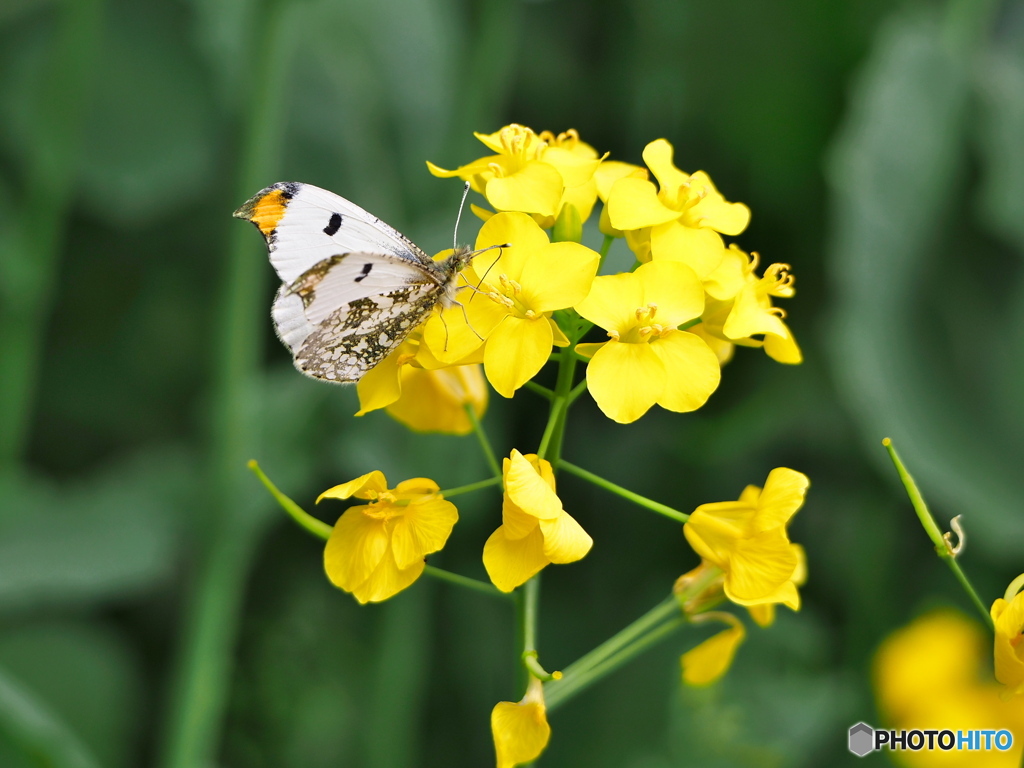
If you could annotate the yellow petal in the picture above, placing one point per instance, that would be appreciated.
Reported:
(711, 659)
(521, 732)
(520, 232)
(625, 380)
(355, 548)
(730, 276)
(763, 614)
(537, 188)
(759, 566)
(565, 541)
(382, 384)
(1009, 621)
(528, 490)
(511, 562)
(701, 249)
(559, 339)
(557, 276)
(434, 401)
(387, 580)
(673, 289)
(363, 487)
(692, 371)
(658, 156)
(515, 522)
(415, 487)
(589, 349)
(723, 349)
(575, 168)
(634, 204)
(516, 351)
(611, 171)
(783, 349)
(749, 317)
(714, 211)
(639, 242)
(612, 301)
(424, 528)
(783, 495)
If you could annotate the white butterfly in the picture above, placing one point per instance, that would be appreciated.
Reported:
(353, 287)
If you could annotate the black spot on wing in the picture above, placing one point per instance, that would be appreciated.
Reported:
(366, 270)
(333, 225)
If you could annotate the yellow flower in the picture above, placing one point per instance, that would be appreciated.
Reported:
(421, 392)
(511, 295)
(747, 540)
(532, 173)
(521, 730)
(648, 360)
(376, 550)
(1008, 616)
(708, 661)
(684, 216)
(930, 675)
(534, 530)
(739, 306)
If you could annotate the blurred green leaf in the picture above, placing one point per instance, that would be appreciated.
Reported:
(149, 147)
(895, 181)
(31, 735)
(109, 536)
(85, 675)
(1000, 84)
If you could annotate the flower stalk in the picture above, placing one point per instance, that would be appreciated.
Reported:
(934, 532)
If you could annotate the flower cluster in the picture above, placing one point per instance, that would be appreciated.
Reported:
(746, 555)
(668, 324)
(657, 333)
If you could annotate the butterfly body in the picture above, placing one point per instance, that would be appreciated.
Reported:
(353, 288)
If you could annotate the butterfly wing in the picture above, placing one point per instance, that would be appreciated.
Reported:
(345, 314)
(303, 225)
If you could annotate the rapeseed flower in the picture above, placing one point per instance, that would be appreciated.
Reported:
(376, 550)
(1008, 615)
(747, 540)
(532, 173)
(535, 530)
(739, 307)
(647, 360)
(520, 729)
(680, 219)
(510, 295)
(421, 392)
(708, 661)
(933, 674)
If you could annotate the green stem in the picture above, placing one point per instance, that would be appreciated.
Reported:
(318, 528)
(474, 585)
(526, 612)
(539, 389)
(471, 487)
(232, 527)
(551, 442)
(619, 649)
(485, 443)
(934, 532)
(578, 390)
(30, 247)
(636, 498)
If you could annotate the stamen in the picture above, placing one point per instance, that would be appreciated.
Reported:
(496, 170)
(403, 359)
(613, 335)
(530, 314)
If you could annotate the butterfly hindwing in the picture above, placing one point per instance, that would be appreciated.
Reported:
(355, 336)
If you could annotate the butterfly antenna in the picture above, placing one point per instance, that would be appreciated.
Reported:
(455, 237)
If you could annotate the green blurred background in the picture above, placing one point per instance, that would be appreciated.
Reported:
(155, 609)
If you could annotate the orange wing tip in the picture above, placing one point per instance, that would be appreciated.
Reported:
(266, 208)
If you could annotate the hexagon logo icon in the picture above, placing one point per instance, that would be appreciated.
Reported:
(862, 739)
